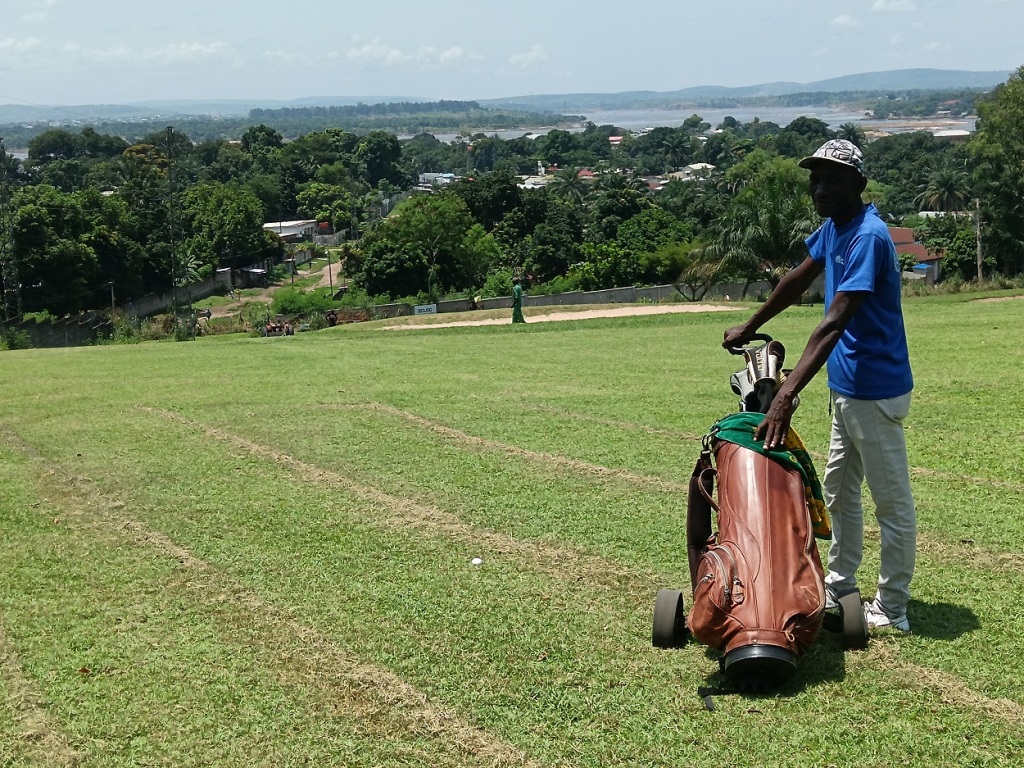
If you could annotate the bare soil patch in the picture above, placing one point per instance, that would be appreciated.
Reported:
(993, 299)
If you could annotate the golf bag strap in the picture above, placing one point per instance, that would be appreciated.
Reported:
(699, 504)
(706, 484)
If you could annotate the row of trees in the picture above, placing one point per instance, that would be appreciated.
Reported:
(90, 210)
(747, 220)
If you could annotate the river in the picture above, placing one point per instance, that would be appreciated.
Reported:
(638, 119)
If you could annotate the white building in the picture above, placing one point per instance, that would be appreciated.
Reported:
(293, 231)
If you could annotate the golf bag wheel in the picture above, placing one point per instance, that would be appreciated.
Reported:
(855, 624)
(669, 619)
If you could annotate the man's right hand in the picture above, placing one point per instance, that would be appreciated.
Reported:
(738, 336)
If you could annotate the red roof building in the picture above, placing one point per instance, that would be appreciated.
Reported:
(927, 260)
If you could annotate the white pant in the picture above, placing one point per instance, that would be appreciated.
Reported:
(868, 443)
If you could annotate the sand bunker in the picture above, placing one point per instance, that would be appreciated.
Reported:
(551, 317)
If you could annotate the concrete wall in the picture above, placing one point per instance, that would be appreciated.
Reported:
(155, 303)
(66, 332)
(655, 294)
(629, 295)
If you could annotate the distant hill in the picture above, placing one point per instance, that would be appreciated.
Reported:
(893, 80)
(15, 113)
(86, 113)
(235, 107)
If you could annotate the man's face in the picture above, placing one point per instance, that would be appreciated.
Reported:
(835, 190)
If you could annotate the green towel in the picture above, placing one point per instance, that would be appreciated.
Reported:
(739, 428)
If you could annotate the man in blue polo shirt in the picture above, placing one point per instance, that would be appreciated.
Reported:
(863, 341)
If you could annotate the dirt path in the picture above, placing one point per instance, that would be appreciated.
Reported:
(332, 275)
(995, 299)
(329, 276)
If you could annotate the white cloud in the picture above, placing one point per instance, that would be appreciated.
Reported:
(935, 45)
(21, 45)
(186, 52)
(295, 57)
(896, 39)
(845, 20)
(455, 53)
(894, 6)
(529, 59)
(376, 52)
(177, 53)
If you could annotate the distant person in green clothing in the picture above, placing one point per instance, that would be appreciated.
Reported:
(517, 301)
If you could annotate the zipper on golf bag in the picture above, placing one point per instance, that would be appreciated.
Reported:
(721, 578)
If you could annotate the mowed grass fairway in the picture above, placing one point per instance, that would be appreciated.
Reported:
(257, 552)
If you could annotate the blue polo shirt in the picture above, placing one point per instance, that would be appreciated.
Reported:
(871, 361)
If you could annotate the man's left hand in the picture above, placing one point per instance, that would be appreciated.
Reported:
(775, 427)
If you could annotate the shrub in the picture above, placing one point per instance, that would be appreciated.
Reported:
(39, 317)
(561, 284)
(497, 284)
(11, 338)
(294, 302)
(126, 331)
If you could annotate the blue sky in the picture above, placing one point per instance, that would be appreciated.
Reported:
(68, 52)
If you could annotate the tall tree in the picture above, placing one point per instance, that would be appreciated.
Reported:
(998, 146)
(431, 244)
(222, 223)
(764, 230)
(381, 154)
(948, 189)
(491, 197)
(58, 270)
(853, 133)
(567, 184)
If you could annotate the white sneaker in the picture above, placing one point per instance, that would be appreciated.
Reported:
(878, 618)
(831, 601)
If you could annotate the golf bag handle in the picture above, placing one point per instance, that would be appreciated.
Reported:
(756, 337)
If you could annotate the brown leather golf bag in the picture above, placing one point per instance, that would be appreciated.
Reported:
(758, 584)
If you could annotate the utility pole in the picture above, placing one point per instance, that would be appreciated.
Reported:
(977, 233)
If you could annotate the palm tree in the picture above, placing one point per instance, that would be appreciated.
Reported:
(947, 189)
(852, 132)
(617, 182)
(567, 184)
(678, 149)
(764, 230)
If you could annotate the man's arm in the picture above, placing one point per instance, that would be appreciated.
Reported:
(820, 345)
(786, 293)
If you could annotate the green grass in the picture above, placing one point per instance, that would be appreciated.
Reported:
(247, 551)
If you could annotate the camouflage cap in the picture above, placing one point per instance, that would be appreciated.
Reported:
(838, 151)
